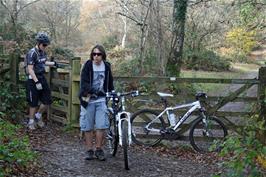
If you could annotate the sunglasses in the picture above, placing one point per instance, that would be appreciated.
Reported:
(44, 45)
(98, 54)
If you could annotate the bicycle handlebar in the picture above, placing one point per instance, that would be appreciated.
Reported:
(115, 94)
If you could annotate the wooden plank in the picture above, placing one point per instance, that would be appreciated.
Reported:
(188, 80)
(76, 78)
(59, 108)
(229, 98)
(59, 82)
(237, 99)
(4, 56)
(74, 90)
(60, 95)
(58, 119)
(4, 70)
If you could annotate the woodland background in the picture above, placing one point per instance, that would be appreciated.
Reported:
(142, 37)
(202, 38)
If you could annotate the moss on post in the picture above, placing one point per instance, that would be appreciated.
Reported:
(74, 107)
(261, 101)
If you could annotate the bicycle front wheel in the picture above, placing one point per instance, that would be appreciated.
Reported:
(207, 136)
(112, 135)
(142, 136)
(124, 127)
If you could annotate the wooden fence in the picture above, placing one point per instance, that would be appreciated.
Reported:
(65, 87)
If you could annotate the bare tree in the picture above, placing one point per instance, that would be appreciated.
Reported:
(60, 18)
(14, 8)
(140, 19)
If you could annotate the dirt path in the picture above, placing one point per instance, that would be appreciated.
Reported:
(62, 154)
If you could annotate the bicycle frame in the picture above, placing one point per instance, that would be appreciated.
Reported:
(123, 116)
(194, 105)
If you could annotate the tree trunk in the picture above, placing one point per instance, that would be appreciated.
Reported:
(179, 20)
(159, 36)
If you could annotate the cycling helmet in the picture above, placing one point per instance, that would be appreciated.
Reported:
(42, 38)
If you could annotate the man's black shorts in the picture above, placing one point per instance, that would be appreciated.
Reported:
(34, 96)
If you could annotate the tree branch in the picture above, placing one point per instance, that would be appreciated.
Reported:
(30, 3)
(131, 18)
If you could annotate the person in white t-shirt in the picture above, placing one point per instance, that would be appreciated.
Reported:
(96, 80)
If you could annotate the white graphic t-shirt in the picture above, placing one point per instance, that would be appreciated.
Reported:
(98, 81)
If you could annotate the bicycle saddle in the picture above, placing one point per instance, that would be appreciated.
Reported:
(161, 94)
(201, 95)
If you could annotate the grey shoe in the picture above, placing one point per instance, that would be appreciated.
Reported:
(100, 154)
(89, 155)
(31, 125)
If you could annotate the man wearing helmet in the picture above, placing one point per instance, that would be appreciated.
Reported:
(37, 88)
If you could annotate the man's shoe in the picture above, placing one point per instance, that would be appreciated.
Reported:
(39, 122)
(31, 125)
(89, 155)
(100, 154)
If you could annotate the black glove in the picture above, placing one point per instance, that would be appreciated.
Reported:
(100, 93)
(56, 64)
(38, 85)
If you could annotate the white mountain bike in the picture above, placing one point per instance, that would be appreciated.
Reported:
(120, 126)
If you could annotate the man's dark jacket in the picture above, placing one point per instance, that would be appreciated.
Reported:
(87, 79)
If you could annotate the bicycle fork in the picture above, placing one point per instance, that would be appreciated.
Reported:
(124, 116)
(205, 123)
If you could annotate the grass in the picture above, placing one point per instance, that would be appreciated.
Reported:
(238, 71)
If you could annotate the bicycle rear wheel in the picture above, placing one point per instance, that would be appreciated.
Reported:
(207, 136)
(112, 135)
(140, 135)
(124, 127)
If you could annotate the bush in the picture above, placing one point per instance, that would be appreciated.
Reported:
(15, 153)
(62, 53)
(245, 154)
(205, 60)
(110, 42)
(242, 42)
(9, 107)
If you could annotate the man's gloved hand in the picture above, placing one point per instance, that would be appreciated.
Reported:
(56, 64)
(38, 85)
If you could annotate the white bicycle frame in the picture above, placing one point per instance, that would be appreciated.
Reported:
(194, 105)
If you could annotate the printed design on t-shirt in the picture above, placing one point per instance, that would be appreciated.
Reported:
(98, 81)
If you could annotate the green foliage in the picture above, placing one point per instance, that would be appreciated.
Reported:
(126, 67)
(205, 60)
(245, 153)
(241, 41)
(111, 42)
(249, 13)
(62, 53)
(15, 151)
(11, 104)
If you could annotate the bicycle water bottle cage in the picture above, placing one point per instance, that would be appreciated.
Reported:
(200, 95)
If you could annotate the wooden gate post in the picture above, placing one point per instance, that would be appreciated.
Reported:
(261, 91)
(49, 80)
(73, 101)
(262, 99)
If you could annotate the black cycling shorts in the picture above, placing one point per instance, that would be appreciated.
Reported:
(33, 95)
